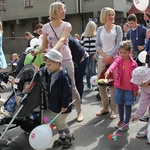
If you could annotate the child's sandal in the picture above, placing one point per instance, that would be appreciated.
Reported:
(58, 142)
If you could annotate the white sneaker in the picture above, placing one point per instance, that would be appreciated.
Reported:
(141, 134)
(87, 89)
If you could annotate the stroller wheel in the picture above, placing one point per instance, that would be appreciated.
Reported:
(2, 146)
(29, 127)
(2, 88)
(98, 97)
(7, 148)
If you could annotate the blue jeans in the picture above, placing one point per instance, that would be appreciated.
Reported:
(90, 69)
(79, 74)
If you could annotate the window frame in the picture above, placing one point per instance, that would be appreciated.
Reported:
(2, 5)
(28, 3)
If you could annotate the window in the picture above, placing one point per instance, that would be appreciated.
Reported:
(2, 5)
(12, 31)
(28, 3)
(59, 1)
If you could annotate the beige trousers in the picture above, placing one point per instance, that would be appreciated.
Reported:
(68, 64)
(60, 121)
(102, 90)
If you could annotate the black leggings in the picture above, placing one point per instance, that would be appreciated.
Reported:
(128, 109)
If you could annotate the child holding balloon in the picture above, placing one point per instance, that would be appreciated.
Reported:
(125, 92)
(59, 97)
(141, 77)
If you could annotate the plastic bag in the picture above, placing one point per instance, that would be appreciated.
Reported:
(30, 59)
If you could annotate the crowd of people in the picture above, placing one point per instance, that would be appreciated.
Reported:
(69, 58)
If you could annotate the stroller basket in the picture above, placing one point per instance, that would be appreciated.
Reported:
(103, 81)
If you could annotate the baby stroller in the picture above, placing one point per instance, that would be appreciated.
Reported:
(7, 77)
(3, 78)
(26, 58)
(102, 81)
(29, 102)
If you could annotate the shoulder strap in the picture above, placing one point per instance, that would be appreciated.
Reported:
(116, 28)
(53, 31)
(116, 32)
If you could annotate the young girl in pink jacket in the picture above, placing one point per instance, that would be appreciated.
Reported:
(125, 91)
(141, 77)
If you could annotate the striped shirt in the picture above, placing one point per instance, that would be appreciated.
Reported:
(89, 44)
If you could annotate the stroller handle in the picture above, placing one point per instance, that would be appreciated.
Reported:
(33, 59)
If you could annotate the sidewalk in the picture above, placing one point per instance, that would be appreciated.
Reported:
(91, 134)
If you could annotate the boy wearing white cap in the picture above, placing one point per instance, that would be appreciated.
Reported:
(59, 96)
(141, 77)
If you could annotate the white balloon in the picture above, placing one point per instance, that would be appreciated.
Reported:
(141, 4)
(142, 56)
(93, 80)
(40, 39)
(40, 137)
(148, 132)
(34, 42)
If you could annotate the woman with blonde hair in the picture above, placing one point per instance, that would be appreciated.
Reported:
(108, 39)
(88, 40)
(55, 35)
(3, 63)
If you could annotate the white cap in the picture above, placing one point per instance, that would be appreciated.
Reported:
(54, 55)
(140, 75)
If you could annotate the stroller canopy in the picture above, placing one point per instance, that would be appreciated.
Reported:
(27, 73)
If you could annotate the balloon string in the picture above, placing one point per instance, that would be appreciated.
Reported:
(60, 113)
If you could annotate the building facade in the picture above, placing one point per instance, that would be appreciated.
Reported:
(19, 16)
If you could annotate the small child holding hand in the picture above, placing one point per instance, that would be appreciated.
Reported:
(125, 91)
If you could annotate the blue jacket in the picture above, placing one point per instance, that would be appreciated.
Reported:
(61, 92)
(137, 37)
(148, 46)
(77, 50)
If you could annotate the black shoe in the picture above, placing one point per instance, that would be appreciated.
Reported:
(58, 142)
(68, 141)
(144, 119)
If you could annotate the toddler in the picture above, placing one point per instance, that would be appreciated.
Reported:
(141, 77)
(59, 96)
